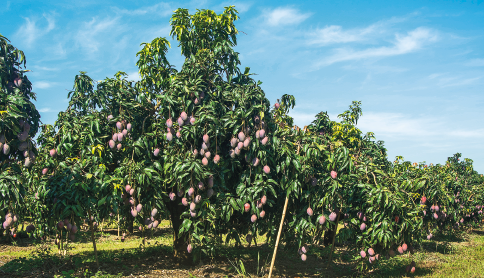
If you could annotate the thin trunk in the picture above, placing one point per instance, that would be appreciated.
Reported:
(59, 243)
(255, 239)
(92, 238)
(67, 242)
(334, 237)
(143, 236)
(130, 220)
(278, 235)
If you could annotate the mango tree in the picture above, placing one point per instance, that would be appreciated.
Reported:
(75, 164)
(18, 126)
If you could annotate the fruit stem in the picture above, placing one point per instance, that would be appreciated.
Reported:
(279, 235)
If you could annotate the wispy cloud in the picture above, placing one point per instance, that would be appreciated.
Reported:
(397, 125)
(42, 68)
(92, 33)
(42, 85)
(435, 75)
(163, 9)
(29, 32)
(43, 110)
(241, 7)
(336, 34)
(402, 127)
(459, 81)
(403, 44)
(284, 16)
(444, 80)
(478, 133)
(475, 63)
(407, 127)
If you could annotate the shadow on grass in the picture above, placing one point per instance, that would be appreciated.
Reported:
(44, 263)
(477, 232)
(396, 267)
(156, 260)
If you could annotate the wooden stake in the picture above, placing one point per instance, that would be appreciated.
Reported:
(278, 235)
(118, 224)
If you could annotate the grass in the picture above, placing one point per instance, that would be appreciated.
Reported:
(443, 256)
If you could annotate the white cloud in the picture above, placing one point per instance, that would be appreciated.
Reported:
(42, 85)
(407, 127)
(336, 34)
(413, 41)
(134, 76)
(433, 133)
(302, 119)
(396, 125)
(285, 16)
(30, 32)
(163, 9)
(478, 133)
(41, 68)
(43, 110)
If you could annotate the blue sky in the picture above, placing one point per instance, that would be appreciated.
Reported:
(417, 66)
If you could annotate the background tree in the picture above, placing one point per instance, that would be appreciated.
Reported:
(18, 126)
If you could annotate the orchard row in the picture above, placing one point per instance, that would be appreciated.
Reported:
(204, 147)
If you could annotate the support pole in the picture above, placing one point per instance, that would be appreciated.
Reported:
(279, 235)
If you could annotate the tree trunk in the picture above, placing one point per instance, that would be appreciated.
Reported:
(329, 234)
(180, 241)
(92, 238)
(61, 243)
(130, 222)
(334, 237)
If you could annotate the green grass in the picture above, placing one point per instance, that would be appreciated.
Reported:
(443, 256)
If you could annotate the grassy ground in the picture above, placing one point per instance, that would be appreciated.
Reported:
(445, 256)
